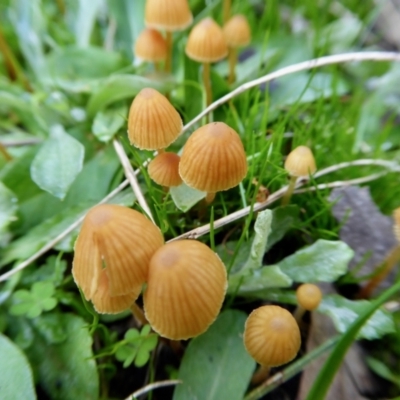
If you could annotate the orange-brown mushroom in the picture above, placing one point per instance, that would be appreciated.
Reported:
(213, 159)
(309, 297)
(185, 290)
(153, 123)
(168, 16)
(151, 46)
(164, 169)
(271, 337)
(206, 44)
(237, 34)
(299, 162)
(118, 241)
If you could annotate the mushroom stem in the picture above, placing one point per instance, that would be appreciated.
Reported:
(156, 66)
(389, 263)
(210, 197)
(226, 10)
(138, 314)
(207, 83)
(232, 56)
(168, 61)
(289, 192)
(261, 374)
(160, 151)
(299, 313)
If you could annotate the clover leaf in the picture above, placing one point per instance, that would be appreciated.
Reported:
(32, 303)
(136, 347)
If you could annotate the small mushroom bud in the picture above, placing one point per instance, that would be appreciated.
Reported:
(185, 290)
(299, 162)
(164, 169)
(309, 297)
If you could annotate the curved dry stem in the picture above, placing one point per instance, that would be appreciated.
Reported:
(291, 69)
(152, 386)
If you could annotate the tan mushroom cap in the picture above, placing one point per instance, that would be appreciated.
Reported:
(185, 290)
(168, 15)
(103, 303)
(119, 240)
(164, 169)
(300, 162)
(237, 31)
(153, 123)
(309, 296)
(272, 336)
(151, 46)
(213, 159)
(206, 42)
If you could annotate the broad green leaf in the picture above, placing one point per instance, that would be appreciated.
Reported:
(186, 197)
(323, 261)
(107, 123)
(216, 365)
(73, 357)
(16, 380)
(50, 327)
(323, 381)
(119, 87)
(263, 278)
(262, 229)
(8, 209)
(57, 163)
(344, 312)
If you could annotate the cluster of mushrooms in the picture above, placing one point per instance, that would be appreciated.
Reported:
(207, 42)
(119, 251)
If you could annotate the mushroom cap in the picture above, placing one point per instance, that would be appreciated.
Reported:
(272, 336)
(206, 42)
(104, 303)
(396, 226)
(151, 46)
(120, 241)
(300, 162)
(213, 159)
(237, 31)
(168, 15)
(309, 296)
(164, 169)
(153, 123)
(185, 290)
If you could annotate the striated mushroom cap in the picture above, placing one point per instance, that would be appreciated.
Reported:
(153, 122)
(206, 42)
(151, 46)
(300, 162)
(106, 304)
(272, 336)
(119, 241)
(164, 169)
(213, 159)
(185, 290)
(309, 296)
(168, 15)
(237, 31)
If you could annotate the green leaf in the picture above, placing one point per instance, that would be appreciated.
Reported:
(53, 271)
(50, 327)
(73, 357)
(107, 123)
(323, 261)
(85, 20)
(57, 163)
(323, 381)
(216, 365)
(381, 368)
(119, 87)
(185, 197)
(344, 312)
(16, 380)
(8, 210)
